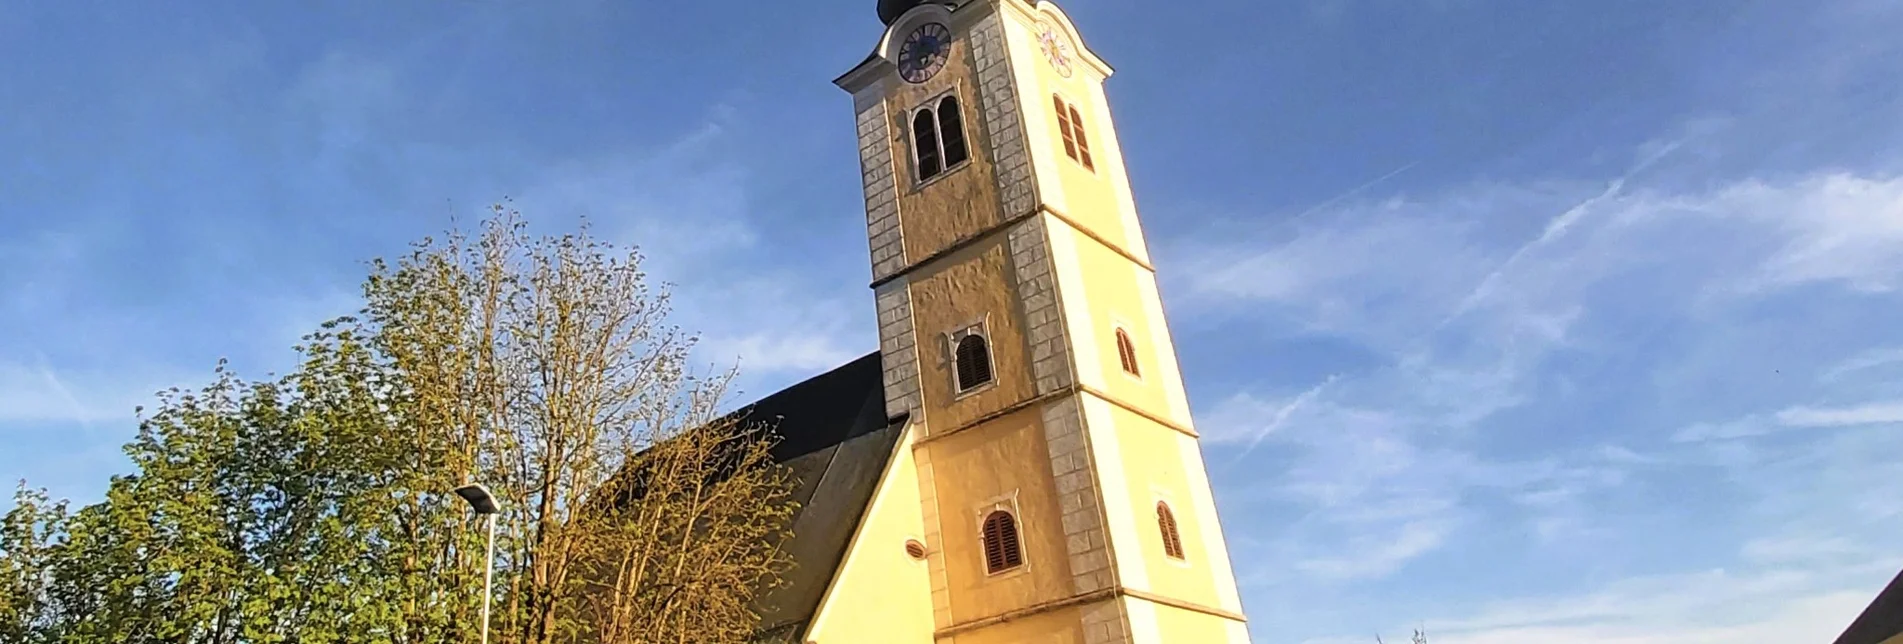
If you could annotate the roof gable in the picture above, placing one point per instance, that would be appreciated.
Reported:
(833, 434)
(1882, 620)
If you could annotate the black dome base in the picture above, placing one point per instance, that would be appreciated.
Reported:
(890, 10)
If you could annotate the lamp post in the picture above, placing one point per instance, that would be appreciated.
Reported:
(485, 504)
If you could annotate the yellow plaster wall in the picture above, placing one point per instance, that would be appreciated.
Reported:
(1062, 626)
(1153, 471)
(1001, 459)
(973, 284)
(1180, 625)
(962, 201)
(880, 593)
(1112, 297)
(1088, 196)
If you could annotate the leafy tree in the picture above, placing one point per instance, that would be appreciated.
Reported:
(315, 507)
(28, 536)
(549, 363)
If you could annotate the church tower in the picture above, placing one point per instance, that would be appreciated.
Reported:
(1060, 489)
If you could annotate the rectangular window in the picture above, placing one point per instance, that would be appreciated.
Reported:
(1063, 126)
(1083, 142)
(1070, 124)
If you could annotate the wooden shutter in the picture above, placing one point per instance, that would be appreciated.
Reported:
(1063, 126)
(1172, 539)
(1127, 353)
(1001, 542)
(973, 360)
(1083, 144)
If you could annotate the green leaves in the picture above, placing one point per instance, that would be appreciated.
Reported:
(316, 507)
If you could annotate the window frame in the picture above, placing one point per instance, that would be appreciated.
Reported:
(928, 115)
(964, 138)
(1008, 504)
(1170, 532)
(932, 104)
(1120, 336)
(1071, 129)
(1009, 556)
(980, 327)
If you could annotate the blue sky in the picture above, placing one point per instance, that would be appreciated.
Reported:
(1529, 322)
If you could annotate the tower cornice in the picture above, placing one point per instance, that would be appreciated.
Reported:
(1029, 11)
(884, 57)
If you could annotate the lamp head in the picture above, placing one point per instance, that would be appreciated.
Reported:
(479, 498)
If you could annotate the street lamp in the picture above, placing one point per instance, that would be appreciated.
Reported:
(484, 504)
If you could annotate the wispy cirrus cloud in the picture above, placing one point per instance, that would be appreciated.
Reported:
(688, 207)
(1587, 336)
(1877, 360)
(1715, 607)
(1885, 412)
(35, 393)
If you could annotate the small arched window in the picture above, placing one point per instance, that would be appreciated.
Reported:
(951, 129)
(1000, 535)
(938, 138)
(972, 359)
(1172, 538)
(1127, 353)
(1071, 125)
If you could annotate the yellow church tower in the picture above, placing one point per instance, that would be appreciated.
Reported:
(1046, 484)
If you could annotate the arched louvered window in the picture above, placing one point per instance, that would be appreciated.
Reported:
(925, 144)
(1000, 534)
(1172, 538)
(951, 130)
(1127, 353)
(1071, 125)
(972, 362)
(938, 138)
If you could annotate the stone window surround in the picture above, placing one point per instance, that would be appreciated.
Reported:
(1120, 325)
(1160, 496)
(1007, 502)
(981, 327)
(904, 128)
(1076, 125)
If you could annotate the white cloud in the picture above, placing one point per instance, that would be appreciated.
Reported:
(1864, 361)
(1738, 428)
(1477, 301)
(1356, 270)
(1377, 555)
(1715, 606)
(1837, 228)
(36, 393)
(777, 327)
(1244, 418)
(1534, 359)
(1867, 414)
(1802, 549)
(686, 206)
(1799, 417)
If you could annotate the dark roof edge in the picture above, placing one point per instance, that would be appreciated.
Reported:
(1881, 620)
(901, 423)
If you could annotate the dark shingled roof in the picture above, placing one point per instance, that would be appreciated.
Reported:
(835, 436)
(1882, 620)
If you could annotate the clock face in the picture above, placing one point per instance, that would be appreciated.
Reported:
(924, 52)
(1056, 48)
